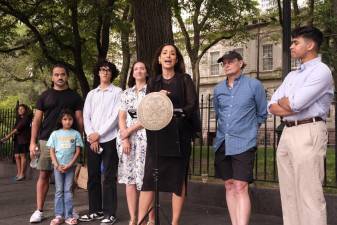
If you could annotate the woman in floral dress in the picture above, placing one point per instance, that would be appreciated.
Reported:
(131, 139)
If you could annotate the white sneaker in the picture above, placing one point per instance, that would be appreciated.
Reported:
(36, 217)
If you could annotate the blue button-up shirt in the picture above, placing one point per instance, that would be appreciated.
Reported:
(309, 90)
(240, 111)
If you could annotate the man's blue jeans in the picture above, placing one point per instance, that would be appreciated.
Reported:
(63, 194)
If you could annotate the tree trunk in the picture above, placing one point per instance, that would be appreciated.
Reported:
(311, 12)
(125, 34)
(196, 74)
(78, 50)
(296, 13)
(153, 27)
(334, 43)
(279, 7)
(103, 32)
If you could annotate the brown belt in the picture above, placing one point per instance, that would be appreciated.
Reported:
(299, 122)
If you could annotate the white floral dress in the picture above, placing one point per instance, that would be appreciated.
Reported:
(131, 167)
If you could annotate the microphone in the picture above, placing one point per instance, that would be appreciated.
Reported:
(178, 112)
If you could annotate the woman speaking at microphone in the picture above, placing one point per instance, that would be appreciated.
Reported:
(174, 141)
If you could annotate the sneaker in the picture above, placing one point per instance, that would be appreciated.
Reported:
(108, 220)
(93, 216)
(37, 217)
(20, 178)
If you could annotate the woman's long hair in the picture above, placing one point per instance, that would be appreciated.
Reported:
(179, 67)
(131, 79)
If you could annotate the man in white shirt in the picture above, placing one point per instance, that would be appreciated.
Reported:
(100, 116)
(303, 99)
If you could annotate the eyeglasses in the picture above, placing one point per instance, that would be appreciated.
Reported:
(107, 70)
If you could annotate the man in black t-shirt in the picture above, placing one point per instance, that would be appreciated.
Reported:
(48, 108)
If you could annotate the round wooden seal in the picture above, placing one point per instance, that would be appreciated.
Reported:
(155, 111)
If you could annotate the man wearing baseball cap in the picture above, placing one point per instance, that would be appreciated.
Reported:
(241, 107)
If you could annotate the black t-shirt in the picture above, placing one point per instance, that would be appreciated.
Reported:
(51, 103)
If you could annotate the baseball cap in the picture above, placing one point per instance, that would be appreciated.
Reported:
(230, 55)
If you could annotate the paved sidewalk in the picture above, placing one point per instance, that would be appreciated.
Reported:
(17, 202)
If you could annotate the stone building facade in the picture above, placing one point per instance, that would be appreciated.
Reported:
(263, 55)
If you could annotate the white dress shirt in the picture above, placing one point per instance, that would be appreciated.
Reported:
(100, 112)
(309, 90)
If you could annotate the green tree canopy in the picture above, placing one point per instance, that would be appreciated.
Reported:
(203, 23)
(75, 33)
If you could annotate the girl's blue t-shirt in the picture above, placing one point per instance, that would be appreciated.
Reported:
(64, 142)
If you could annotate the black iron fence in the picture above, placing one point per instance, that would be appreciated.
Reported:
(7, 121)
(202, 158)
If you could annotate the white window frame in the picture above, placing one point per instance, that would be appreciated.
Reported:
(295, 63)
(214, 68)
(267, 56)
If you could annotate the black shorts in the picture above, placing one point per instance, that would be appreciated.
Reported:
(21, 148)
(237, 167)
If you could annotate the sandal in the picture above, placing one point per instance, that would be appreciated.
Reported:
(150, 223)
(71, 221)
(133, 222)
(57, 220)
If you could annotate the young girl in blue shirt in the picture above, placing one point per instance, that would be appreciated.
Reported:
(65, 144)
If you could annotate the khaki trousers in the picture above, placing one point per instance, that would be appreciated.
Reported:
(300, 162)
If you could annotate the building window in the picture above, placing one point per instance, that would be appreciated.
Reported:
(214, 64)
(211, 109)
(295, 63)
(239, 50)
(267, 57)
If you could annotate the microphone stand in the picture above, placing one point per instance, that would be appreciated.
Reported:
(176, 113)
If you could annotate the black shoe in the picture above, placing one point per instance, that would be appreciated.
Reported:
(93, 216)
(109, 220)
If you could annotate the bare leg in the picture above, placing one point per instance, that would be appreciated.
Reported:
(131, 197)
(145, 201)
(151, 215)
(18, 165)
(243, 202)
(23, 164)
(231, 201)
(42, 187)
(177, 205)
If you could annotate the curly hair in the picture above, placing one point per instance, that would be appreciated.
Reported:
(112, 68)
